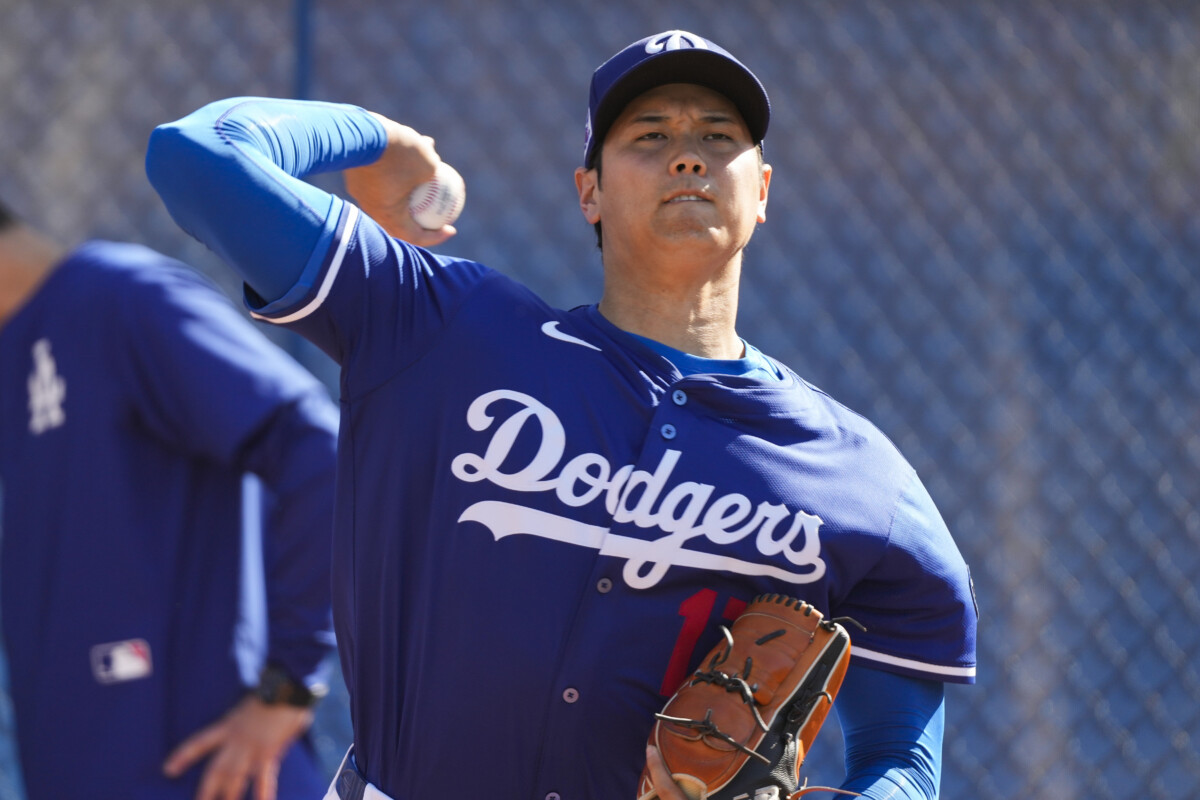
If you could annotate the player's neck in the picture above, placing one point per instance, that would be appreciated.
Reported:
(700, 320)
(26, 259)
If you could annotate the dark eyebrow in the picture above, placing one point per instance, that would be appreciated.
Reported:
(719, 116)
(649, 117)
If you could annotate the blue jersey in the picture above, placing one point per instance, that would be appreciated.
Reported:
(543, 522)
(133, 399)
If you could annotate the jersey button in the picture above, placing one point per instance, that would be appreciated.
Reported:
(679, 397)
(604, 586)
(571, 695)
(667, 431)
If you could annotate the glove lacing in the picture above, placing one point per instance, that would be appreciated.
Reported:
(740, 684)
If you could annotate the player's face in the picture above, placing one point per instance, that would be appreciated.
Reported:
(679, 169)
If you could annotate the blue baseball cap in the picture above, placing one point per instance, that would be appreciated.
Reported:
(671, 57)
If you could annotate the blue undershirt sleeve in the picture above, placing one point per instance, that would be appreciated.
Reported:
(893, 727)
(230, 175)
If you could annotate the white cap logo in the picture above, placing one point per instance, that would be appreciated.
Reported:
(675, 40)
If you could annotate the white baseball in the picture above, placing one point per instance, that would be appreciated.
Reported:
(438, 201)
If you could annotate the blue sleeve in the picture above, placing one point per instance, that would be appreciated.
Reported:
(244, 403)
(893, 727)
(294, 455)
(917, 602)
(230, 175)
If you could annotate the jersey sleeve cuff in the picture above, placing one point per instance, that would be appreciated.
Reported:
(317, 278)
(913, 667)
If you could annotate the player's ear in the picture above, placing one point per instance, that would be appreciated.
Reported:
(763, 189)
(587, 182)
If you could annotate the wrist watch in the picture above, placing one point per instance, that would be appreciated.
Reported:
(276, 688)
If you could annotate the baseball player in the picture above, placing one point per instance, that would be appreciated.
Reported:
(134, 402)
(546, 515)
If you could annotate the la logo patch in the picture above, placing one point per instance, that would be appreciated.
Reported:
(47, 391)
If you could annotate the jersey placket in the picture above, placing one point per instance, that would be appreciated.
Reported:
(578, 694)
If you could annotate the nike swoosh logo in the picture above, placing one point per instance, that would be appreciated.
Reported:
(551, 330)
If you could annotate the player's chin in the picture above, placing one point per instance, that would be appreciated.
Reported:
(694, 231)
(694, 215)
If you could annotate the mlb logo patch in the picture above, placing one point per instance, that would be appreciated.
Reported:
(117, 662)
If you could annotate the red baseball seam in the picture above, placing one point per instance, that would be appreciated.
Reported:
(427, 201)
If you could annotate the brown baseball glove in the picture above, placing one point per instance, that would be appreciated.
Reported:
(741, 726)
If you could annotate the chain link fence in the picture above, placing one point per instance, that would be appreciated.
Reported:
(983, 234)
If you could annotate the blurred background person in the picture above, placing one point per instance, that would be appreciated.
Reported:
(135, 405)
